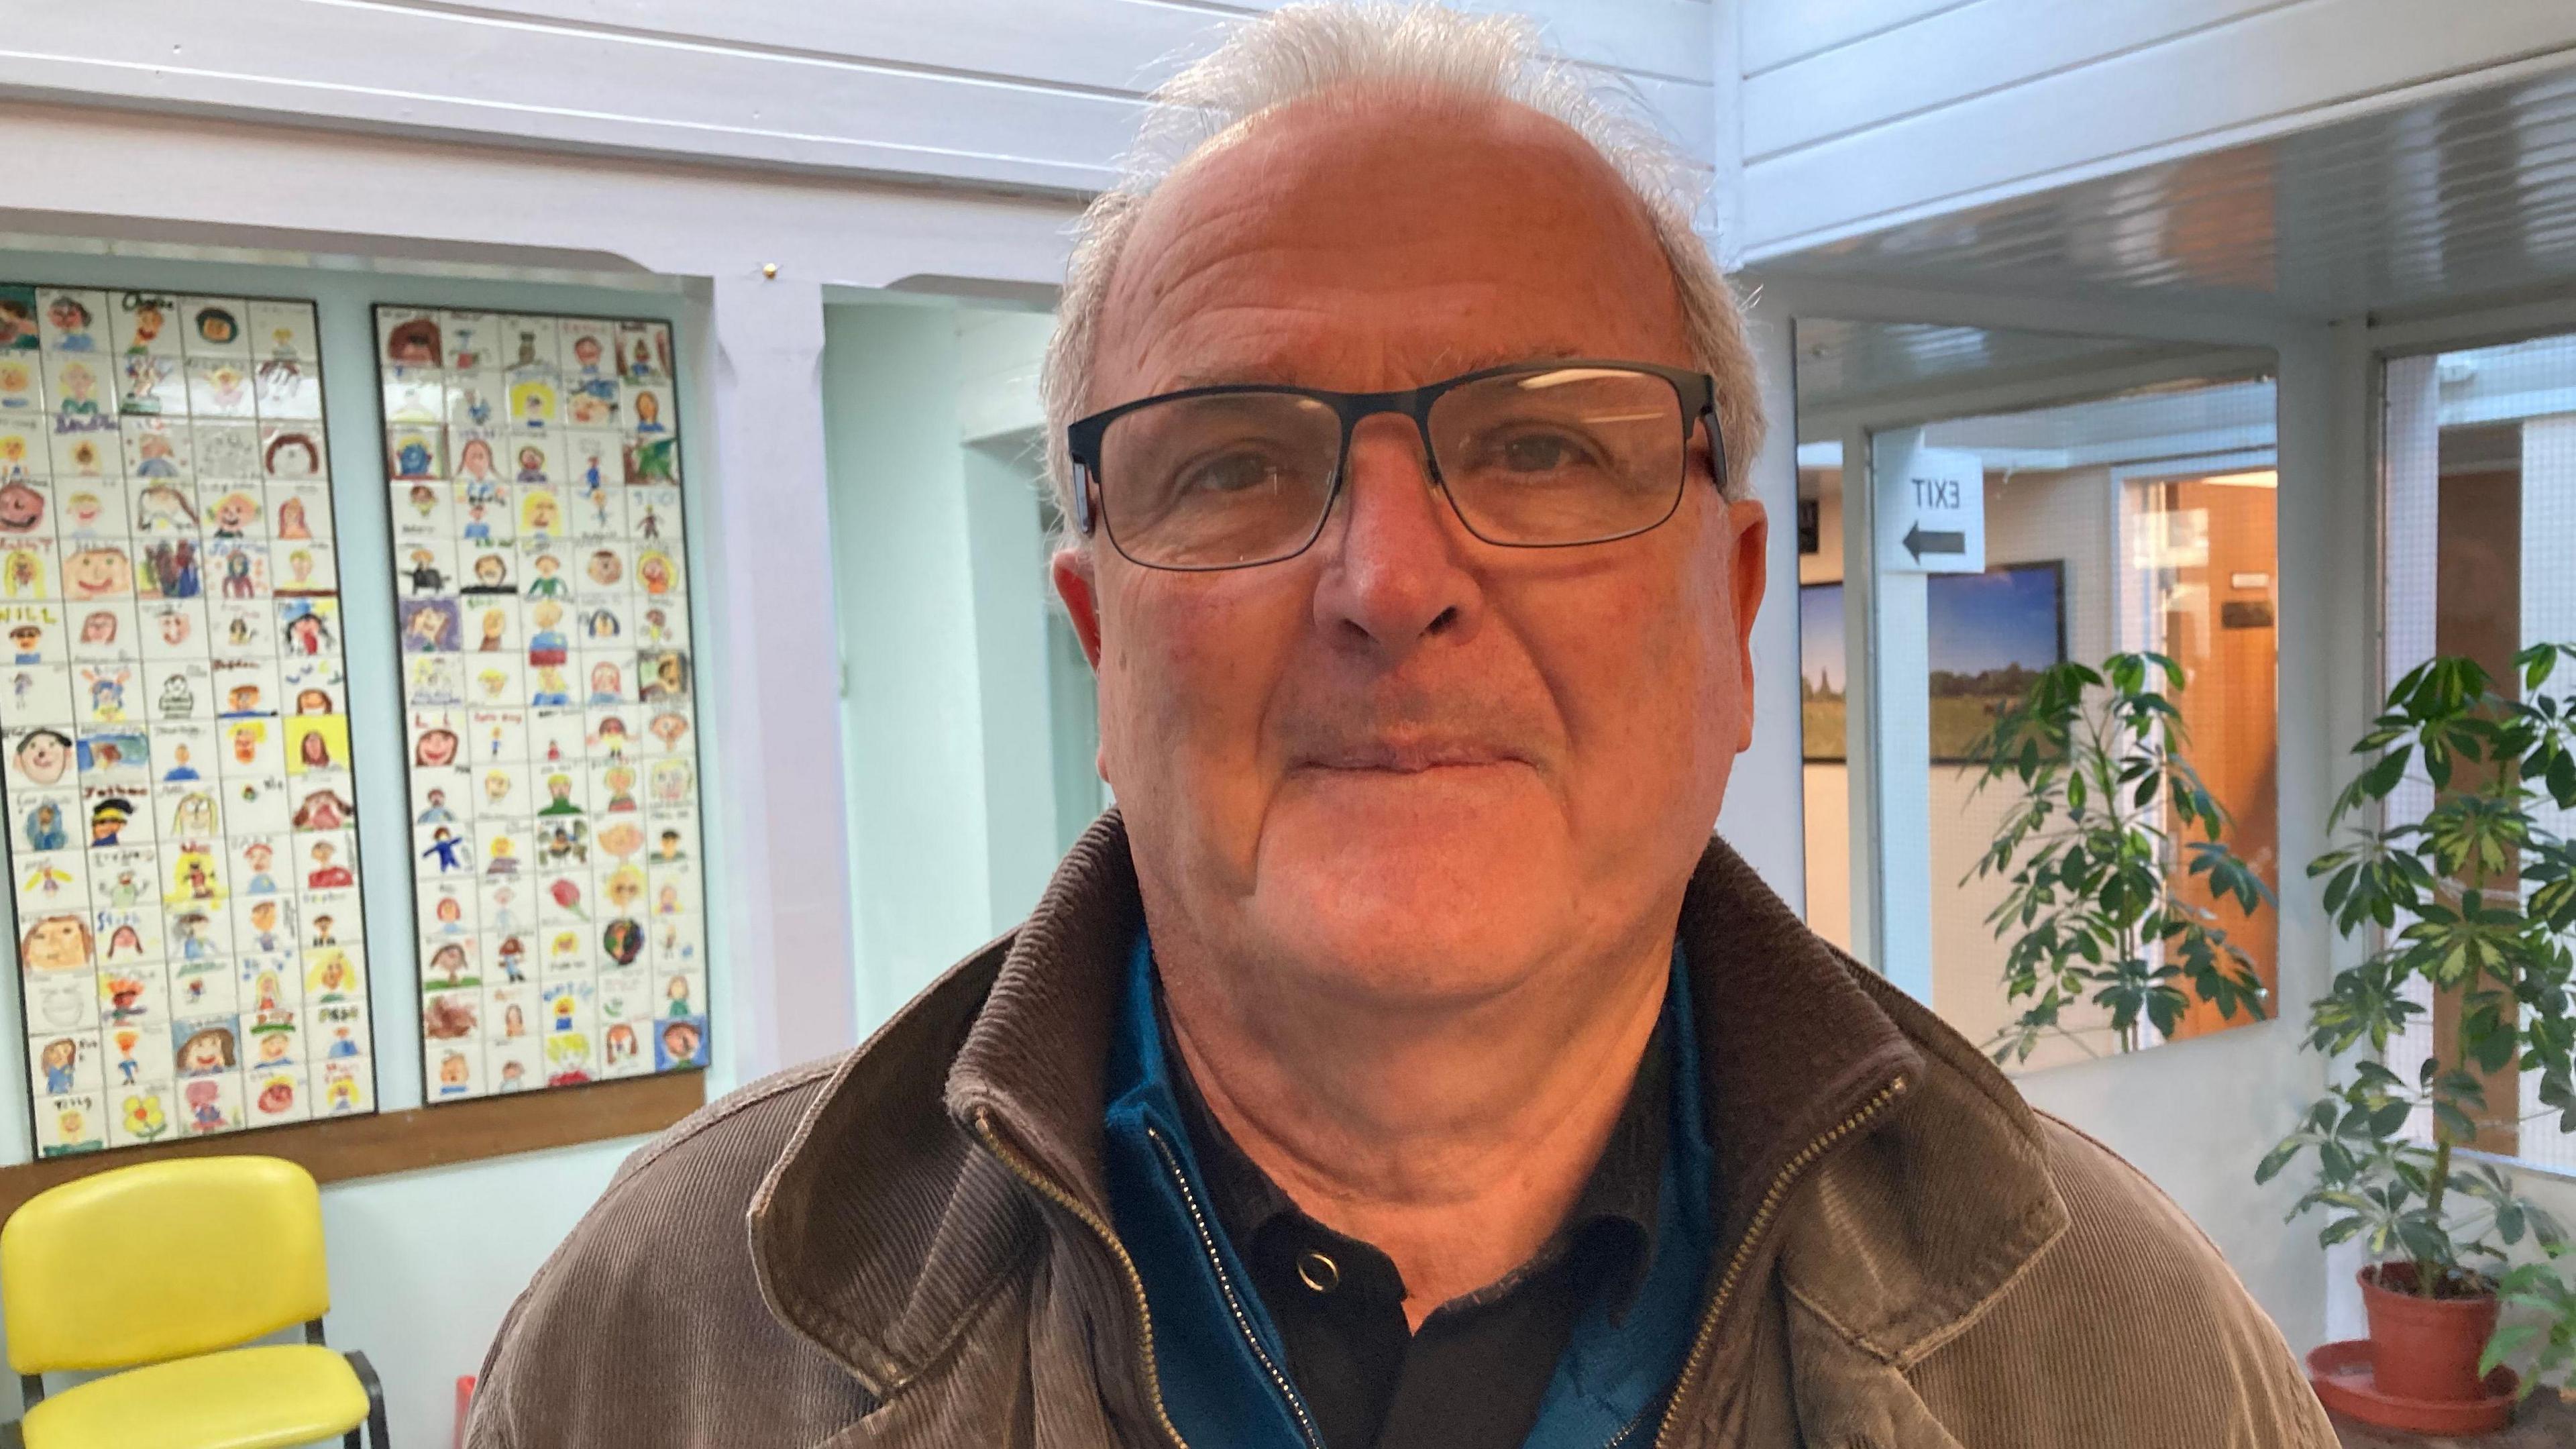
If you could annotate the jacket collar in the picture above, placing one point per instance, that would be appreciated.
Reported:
(886, 1221)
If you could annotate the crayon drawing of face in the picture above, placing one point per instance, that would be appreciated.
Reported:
(293, 455)
(605, 569)
(680, 1042)
(98, 573)
(435, 749)
(414, 343)
(207, 1050)
(43, 756)
(99, 628)
(56, 943)
(21, 508)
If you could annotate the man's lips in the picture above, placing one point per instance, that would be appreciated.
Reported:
(1408, 757)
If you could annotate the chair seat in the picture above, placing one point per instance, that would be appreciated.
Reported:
(267, 1397)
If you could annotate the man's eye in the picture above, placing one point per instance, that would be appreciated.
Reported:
(1230, 473)
(1541, 452)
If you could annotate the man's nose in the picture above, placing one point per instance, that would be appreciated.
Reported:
(1395, 570)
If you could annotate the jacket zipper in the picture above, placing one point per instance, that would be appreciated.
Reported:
(1788, 1175)
(1027, 1172)
(1225, 1284)
(1780, 1185)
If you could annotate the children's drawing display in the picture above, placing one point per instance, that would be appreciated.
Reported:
(541, 597)
(181, 827)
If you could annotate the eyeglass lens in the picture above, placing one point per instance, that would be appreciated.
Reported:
(1545, 456)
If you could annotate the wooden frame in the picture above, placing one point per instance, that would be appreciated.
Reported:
(337, 1149)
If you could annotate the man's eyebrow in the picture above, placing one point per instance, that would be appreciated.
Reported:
(1281, 371)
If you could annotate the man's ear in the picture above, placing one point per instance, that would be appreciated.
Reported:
(1076, 585)
(1749, 573)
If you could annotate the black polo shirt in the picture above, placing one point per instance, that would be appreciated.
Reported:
(1475, 1374)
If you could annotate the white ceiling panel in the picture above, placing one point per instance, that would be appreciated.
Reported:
(2465, 197)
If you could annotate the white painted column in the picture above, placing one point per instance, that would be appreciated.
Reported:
(770, 648)
(2330, 521)
(1765, 814)
(1887, 726)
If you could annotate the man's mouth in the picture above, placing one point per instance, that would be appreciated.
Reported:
(1409, 757)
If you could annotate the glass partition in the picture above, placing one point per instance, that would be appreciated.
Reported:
(1985, 507)
(2479, 467)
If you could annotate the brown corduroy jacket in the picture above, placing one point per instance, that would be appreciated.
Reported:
(909, 1245)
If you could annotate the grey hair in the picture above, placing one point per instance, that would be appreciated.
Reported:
(1411, 52)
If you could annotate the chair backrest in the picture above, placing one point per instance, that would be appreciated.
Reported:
(159, 1260)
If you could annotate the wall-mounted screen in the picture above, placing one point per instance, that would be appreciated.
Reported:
(182, 827)
(549, 685)
(1989, 636)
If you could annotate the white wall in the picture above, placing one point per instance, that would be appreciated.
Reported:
(423, 1265)
(1857, 114)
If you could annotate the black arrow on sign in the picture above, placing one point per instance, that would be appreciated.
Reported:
(1919, 543)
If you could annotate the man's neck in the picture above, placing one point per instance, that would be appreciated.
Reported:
(1454, 1141)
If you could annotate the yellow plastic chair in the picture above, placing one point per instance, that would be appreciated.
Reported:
(161, 1270)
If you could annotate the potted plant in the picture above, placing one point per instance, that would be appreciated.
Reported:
(2545, 1339)
(2473, 901)
(2096, 850)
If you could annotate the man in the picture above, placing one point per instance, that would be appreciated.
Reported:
(1407, 1066)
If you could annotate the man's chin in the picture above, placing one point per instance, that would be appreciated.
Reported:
(1442, 890)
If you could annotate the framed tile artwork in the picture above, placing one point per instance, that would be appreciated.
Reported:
(549, 685)
(174, 733)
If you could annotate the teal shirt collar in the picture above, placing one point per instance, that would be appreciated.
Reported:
(1224, 1373)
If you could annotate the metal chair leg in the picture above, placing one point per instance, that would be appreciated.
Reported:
(375, 1403)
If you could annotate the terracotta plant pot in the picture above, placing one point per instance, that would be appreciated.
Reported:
(2424, 1348)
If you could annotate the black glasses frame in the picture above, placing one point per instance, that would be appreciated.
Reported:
(1696, 391)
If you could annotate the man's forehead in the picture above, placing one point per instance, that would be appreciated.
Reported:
(1368, 240)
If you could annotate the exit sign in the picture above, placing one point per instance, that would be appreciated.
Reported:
(1932, 513)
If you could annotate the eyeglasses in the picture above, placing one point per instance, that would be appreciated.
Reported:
(1533, 455)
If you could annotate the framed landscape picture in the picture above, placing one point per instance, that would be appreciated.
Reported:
(1989, 635)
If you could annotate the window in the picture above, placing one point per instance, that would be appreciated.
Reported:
(2479, 468)
(2115, 518)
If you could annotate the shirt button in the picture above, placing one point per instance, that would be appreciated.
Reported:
(1317, 1271)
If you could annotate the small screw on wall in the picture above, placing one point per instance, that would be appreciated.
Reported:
(769, 269)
